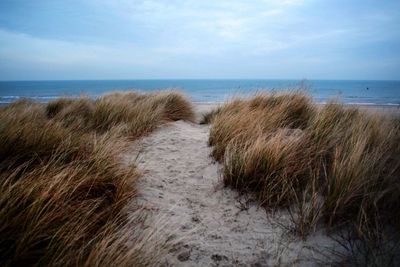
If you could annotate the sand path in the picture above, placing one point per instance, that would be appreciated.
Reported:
(181, 182)
(211, 225)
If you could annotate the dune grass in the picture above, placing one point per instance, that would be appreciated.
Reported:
(139, 113)
(64, 189)
(208, 117)
(332, 164)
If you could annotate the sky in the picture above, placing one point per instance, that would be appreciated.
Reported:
(203, 39)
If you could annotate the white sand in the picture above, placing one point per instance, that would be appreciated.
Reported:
(211, 225)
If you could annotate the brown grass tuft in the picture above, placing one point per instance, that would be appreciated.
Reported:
(139, 113)
(208, 117)
(244, 119)
(331, 162)
(64, 189)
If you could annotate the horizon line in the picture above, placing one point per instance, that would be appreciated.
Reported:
(198, 79)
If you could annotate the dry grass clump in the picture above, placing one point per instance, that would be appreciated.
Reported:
(244, 119)
(74, 113)
(65, 193)
(175, 106)
(209, 116)
(139, 113)
(59, 190)
(27, 136)
(138, 117)
(262, 144)
(333, 162)
(55, 106)
(362, 170)
(269, 166)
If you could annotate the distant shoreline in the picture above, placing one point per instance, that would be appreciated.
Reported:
(359, 92)
(209, 105)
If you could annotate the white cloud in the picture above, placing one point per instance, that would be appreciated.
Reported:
(203, 19)
(25, 48)
(193, 37)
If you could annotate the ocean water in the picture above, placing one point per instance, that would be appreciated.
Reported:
(346, 91)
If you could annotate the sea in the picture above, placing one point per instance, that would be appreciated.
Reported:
(360, 92)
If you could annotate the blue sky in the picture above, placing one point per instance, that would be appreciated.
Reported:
(121, 39)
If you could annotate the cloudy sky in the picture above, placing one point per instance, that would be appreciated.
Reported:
(149, 39)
